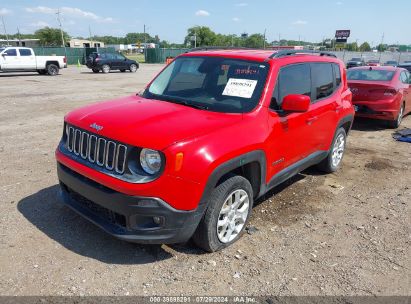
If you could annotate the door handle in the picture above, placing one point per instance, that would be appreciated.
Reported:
(311, 120)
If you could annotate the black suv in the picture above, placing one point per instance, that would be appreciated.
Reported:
(355, 62)
(110, 61)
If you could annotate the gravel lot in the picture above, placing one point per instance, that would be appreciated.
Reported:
(342, 234)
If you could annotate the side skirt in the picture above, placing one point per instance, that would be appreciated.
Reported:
(296, 168)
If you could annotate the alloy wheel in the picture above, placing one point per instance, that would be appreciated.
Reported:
(338, 150)
(233, 215)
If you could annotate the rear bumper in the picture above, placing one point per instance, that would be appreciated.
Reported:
(129, 218)
(379, 109)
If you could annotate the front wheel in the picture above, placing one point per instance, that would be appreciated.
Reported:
(105, 68)
(52, 69)
(395, 124)
(336, 153)
(228, 211)
(96, 70)
(133, 68)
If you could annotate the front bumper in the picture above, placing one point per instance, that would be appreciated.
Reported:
(129, 218)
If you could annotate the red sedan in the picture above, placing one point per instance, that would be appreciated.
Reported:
(381, 93)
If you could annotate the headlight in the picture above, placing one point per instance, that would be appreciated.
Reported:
(150, 161)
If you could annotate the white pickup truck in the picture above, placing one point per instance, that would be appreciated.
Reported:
(20, 59)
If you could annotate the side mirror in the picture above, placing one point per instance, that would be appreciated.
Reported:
(296, 103)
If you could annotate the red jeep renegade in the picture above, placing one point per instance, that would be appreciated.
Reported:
(214, 131)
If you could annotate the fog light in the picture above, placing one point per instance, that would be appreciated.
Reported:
(157, 220)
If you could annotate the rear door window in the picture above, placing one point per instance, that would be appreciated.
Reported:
(25, 52)
(322, 75)
(293, 79)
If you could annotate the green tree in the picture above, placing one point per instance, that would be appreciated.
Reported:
(132, 38)
(353, 47)
(365, 47)
(205, 36)
(254, 41)
(51, 36)
(382, 47)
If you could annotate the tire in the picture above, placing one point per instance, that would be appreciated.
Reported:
(52, 69)
(122, 71)
(395, 124)
(96, 70)
(105, 68)
(213, 237)
(133, 68)
(42, 72)
(334, 158)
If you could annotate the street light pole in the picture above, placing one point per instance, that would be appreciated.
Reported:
(61, 32)
(5, 31)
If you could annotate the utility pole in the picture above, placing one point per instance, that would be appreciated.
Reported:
(382, 41)
(279, 39)
(145, 39)
(5, 31)
(91, 38)
(61, 32)
(265, 32)
(18, 34)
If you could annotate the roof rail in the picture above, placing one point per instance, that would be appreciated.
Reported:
(211, 48)
(284, 53)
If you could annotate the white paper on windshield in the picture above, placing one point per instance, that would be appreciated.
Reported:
(243, 88)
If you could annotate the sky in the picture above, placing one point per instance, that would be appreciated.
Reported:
(311, 20)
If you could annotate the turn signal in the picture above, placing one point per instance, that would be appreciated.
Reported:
(179, 161)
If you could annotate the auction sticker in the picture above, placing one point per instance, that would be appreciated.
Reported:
(243, 88)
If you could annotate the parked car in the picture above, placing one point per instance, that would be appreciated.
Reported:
(355, 62)
(213, 132)
(19, 59)
(407, 61)
(391, 63)
(373, 63)
(381, 93)
(111, 61)
(406, 66)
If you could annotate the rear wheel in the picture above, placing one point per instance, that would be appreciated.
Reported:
(96, 70)
(229, 208)
(52, 69)
(336, 153)
(105, 68)
(133, 68)
(394, 124)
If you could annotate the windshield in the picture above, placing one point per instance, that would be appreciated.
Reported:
(356, 59)
(211, 83)
(370, 75)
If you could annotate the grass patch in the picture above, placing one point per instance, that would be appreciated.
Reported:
(138, 57)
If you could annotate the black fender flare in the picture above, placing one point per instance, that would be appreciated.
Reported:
(232, 164)
(344, 120)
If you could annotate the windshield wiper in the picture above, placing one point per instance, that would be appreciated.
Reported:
(180, 101)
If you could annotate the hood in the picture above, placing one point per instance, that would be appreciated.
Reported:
(148, 123)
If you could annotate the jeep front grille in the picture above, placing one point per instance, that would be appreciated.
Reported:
(96, 150)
